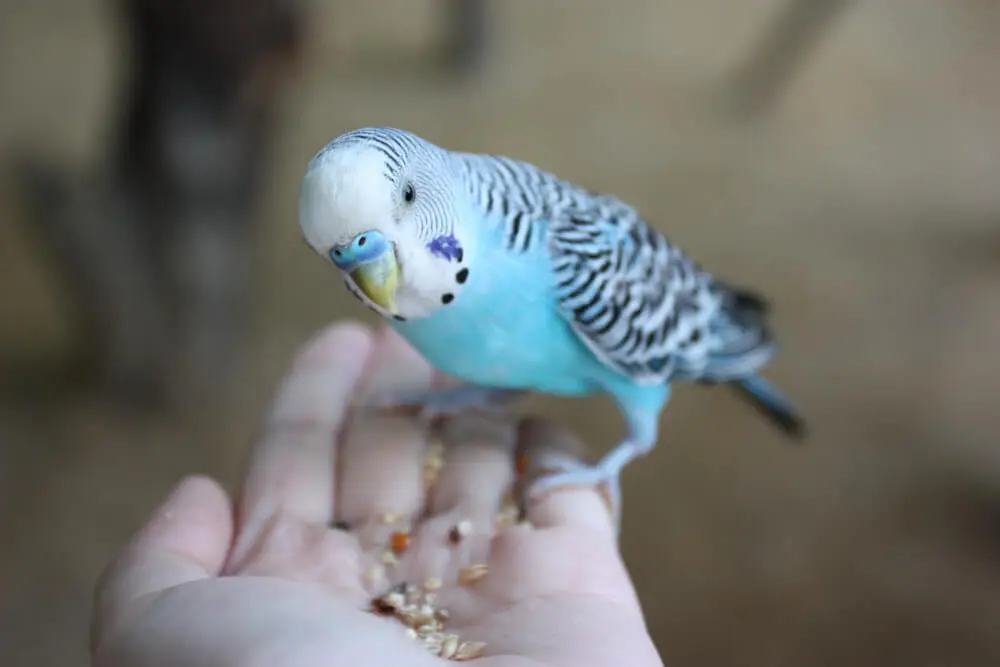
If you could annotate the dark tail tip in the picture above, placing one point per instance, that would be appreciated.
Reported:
(750, 302)
(771, 404)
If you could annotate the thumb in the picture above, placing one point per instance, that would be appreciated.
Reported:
(186, 539)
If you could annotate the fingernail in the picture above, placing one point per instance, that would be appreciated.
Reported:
(553, 460)
(178, 496)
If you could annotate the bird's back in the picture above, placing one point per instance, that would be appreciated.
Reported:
(638, 302)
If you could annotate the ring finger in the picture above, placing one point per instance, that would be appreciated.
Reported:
(477, 474)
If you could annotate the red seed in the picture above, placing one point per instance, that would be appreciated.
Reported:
(399, 541)
(382, 606)
(521, 464)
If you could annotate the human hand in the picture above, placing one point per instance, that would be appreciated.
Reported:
(274, 584)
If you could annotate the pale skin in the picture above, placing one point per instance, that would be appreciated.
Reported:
(267, 580)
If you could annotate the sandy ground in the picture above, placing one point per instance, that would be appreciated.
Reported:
(866, 204)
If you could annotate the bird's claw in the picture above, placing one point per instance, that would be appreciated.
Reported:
(605, 476)
(606, 483)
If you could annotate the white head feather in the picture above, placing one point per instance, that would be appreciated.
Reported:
(355, 185)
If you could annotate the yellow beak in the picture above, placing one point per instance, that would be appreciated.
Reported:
(378, 279)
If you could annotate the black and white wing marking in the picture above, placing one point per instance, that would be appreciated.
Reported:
(640, 304)
(522, 196)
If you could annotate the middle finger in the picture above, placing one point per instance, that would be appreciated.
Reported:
(380, 483)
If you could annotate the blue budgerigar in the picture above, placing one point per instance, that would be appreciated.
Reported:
(511, 279)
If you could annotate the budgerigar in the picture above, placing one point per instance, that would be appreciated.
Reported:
(511, 279)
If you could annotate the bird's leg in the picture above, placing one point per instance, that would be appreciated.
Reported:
(642, 417)
(451, 401)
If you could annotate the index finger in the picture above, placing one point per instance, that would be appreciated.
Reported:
(291, 467)
(185, 540)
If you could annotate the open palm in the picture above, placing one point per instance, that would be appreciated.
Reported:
(338, 508)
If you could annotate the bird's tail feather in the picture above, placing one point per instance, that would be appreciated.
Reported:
(744, 348)
(771, 402)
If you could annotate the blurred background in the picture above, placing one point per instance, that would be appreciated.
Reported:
(841, 157)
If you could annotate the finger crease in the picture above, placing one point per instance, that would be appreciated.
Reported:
(302, 426)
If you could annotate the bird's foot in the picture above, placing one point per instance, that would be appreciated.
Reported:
(605, 475)
(451, 401)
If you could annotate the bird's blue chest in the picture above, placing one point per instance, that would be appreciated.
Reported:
(503, 330)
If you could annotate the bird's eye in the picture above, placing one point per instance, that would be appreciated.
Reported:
(409, 194)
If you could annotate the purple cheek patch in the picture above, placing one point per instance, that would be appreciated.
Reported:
(447, 247)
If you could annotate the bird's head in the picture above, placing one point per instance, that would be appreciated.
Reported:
(382, 205)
